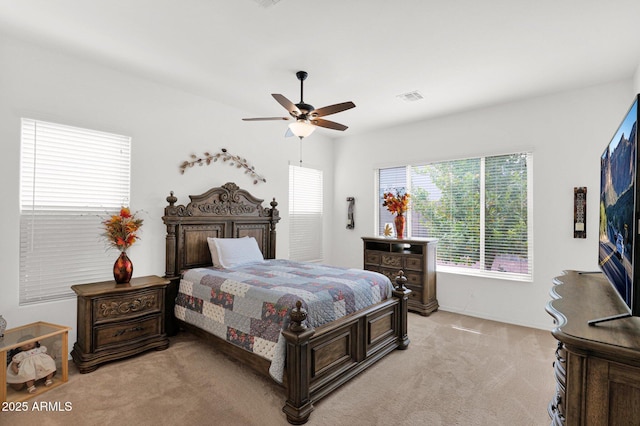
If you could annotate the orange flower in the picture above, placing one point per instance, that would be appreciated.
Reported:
(396, 203)
(121, 229)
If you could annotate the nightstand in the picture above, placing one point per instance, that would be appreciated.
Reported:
(119, 320)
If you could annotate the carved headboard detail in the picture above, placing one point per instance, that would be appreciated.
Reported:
(222, 212)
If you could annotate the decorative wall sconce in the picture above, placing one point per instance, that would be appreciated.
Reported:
(580, 212)
(350, 221)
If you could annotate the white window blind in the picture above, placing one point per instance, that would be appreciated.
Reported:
(305, 214)
(70, 179)
(478, 208)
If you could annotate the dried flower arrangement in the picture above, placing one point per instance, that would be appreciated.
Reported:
(121, 230)
(233, 160)
(396, 203)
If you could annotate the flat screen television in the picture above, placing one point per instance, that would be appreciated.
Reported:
(618, 253)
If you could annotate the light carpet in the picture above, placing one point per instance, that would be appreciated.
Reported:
(458, 370)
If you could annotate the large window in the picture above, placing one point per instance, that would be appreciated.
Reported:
(478, 208)
(305, 214)
(70, 178)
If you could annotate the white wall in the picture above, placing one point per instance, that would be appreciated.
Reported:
(567, 132)
(166, 125)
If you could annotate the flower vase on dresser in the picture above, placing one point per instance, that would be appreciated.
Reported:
(399, 222)
(397, 203)
(121, 231)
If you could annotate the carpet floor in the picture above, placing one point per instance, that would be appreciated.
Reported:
(458, 370)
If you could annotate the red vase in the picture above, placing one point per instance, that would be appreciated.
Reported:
(399, 223)
(122, 269)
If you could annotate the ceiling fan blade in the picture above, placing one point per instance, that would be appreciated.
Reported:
(332, 109)
(329, 124)
(287, 104)
(265, 118)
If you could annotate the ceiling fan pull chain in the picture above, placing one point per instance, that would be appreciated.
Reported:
(300, 152)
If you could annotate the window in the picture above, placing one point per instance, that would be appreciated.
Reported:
(478, 208)
(305, 214)
(70, 178)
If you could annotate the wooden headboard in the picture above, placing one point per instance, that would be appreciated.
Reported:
(223, 212)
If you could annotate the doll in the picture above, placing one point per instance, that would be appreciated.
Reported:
(29, 364)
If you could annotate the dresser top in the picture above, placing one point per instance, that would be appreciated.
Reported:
(580, 298)
(108, 287)
(412, 240)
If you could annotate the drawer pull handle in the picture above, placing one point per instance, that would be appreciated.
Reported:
(124, 330)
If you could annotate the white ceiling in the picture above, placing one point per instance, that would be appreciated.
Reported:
(460, 54)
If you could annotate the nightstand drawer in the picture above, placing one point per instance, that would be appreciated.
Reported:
(124, 332)
(125, 306)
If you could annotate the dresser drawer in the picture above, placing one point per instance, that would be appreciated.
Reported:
(414, 279)
(413, 262)
(415, 295)
(125, 332)
(119, 307)
(372, 257)
(392, 274)
(391, 261)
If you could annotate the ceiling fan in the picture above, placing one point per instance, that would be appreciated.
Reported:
(306, 116)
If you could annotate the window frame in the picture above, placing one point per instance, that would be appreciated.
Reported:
(513, 276)
(71, 178)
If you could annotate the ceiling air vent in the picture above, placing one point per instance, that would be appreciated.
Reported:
(266, 3)
(411, 96)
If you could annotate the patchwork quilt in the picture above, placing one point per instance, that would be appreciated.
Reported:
(249, 305)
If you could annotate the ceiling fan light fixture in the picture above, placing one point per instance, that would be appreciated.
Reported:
(302, 128)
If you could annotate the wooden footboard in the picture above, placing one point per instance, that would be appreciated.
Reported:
(320, 360)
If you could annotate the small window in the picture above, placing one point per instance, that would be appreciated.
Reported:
(70, 178)
(305, 214)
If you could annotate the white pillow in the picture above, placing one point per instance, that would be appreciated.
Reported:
(215, 257)
(214, 251)
(237, 251)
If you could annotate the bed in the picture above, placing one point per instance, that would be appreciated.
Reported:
(316, 357)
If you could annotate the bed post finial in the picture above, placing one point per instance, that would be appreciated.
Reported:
(401, 280)
(171, 199)
(298, 315)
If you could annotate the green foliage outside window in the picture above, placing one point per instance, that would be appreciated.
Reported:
(477, 208)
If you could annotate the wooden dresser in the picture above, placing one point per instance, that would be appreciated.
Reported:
(119, 320)
(416, 257)
(597, 368)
